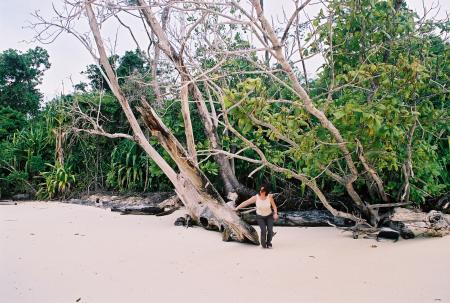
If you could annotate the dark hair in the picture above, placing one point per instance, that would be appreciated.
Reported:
(265, 188)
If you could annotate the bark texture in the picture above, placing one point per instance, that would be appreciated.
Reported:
(203, 202)
(414, 223)
(302, 218)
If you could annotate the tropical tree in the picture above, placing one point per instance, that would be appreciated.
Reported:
(20, 74)
(10, 121)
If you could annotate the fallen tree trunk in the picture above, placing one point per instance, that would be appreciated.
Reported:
(173, 201)
(302, 218)
(138, 210)
(115, 201)
(21, 197)
(157, 203)
(202, 201)
(413, 223)
(441, 204)
(145, 210)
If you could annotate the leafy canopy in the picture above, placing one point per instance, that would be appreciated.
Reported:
(20, 74)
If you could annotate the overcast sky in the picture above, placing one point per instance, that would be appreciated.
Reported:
(68, 57)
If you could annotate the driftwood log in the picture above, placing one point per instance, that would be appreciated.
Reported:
(302, 218)
(138, 210)
(173, 201)
(115, 201)
(159, 203)
(411, 223)
(145, 210)
(363, 230)
(21, 197)
(7, 202)
(408, 223)
(441, 204)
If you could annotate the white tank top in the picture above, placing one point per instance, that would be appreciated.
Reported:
(263, 206)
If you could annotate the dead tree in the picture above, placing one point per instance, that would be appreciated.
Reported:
(201, 199)
(190, 86)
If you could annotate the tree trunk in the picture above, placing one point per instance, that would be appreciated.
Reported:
(231, 184)
(204, 203)
(302, 218)
(7, 202)
(441, 204)
(59, 138)
(414, 223)
(201, 199)
(188, 130)
(138, 210)
(155, 84)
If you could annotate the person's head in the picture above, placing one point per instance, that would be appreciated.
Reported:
(264, 190)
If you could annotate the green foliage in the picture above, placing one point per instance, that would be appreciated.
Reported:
(392, 74)
(27, 146)
(132, 170)
(58, 182)
(20, 73)
(132, 62)
(22, 159)
(210, 168)
(288, 123)
(10, 121)
(15, 182)
(94, 74)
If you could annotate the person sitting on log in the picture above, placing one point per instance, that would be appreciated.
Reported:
(264, 214)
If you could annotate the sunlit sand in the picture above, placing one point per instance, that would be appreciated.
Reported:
(54, 252)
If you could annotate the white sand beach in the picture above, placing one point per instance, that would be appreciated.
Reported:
(54, 252)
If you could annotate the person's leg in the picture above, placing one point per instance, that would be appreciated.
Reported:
(262, 226)
(269, 221)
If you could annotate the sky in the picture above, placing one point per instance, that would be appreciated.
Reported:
(68, 57)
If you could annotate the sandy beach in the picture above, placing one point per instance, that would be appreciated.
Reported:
(55, 252)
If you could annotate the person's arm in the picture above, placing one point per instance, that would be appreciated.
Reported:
(246, 202)
(274, 207)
